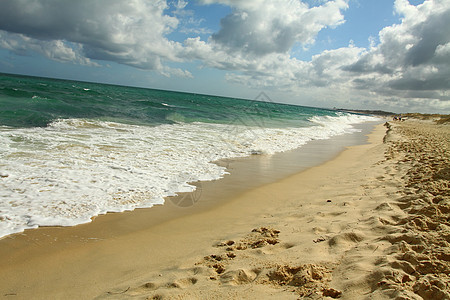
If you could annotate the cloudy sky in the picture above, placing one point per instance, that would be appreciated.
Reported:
(384, 54)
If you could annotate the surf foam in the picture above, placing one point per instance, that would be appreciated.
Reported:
(75, 169)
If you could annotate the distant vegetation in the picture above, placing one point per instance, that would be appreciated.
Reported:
(438, 118)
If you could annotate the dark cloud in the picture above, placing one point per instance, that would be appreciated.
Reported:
(126, 32)
(414, 84)
(433, 32)
(78, 21)
(364, 65)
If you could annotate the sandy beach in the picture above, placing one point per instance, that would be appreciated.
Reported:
(371, 223)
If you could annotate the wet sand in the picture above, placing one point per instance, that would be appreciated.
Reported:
(371, 222)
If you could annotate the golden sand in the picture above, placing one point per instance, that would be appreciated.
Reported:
(371, 223)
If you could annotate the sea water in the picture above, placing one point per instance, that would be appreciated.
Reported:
(73, 150)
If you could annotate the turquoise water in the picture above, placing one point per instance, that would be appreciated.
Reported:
(73, 150)
(36, 102)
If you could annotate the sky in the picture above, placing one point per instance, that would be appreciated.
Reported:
(391, 55)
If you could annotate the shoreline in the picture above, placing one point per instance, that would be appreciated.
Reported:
(262, 169)
(315, 233)
(44, 242)
(13, 224)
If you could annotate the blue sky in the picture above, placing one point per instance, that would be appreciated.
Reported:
(364, 54)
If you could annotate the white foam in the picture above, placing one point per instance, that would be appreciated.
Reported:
(75, 169)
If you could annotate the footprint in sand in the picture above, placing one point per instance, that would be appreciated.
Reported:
(238, 277)
(183, 283)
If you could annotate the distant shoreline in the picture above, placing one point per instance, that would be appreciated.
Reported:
(438, 118)
(366, 112)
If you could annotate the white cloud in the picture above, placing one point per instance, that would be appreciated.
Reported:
(189, 24)
(262, 27)
(181, 4)
(257, 36)
(127, 32)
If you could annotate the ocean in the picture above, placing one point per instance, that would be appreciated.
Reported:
(73, 150)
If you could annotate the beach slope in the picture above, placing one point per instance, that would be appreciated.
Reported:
(371, 223)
